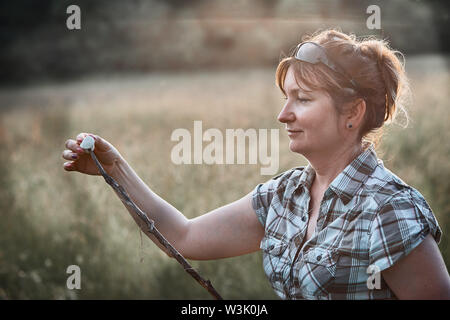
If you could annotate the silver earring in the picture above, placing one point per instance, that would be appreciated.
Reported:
(349, 125)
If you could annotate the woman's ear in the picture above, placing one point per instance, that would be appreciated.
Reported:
(355, 115)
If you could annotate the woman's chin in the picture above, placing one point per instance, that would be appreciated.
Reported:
(296, 147)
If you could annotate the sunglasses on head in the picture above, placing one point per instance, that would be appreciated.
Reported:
(314, 53)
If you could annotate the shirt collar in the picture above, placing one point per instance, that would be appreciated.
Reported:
(307, 177)
(348, 182)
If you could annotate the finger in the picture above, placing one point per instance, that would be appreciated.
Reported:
(100, 143)
(75, 147)
(70, 166)
(69, 155)
(81, 136)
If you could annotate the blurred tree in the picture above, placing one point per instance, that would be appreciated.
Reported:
(145, 35)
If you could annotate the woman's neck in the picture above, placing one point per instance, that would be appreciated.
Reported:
(328, 166)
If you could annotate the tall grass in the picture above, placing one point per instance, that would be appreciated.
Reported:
(51, 219)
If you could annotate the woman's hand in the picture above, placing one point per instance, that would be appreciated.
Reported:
(81, 161)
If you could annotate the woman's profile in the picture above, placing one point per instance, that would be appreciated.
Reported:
(342, 227)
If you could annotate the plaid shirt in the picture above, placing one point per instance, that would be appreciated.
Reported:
(368, 217)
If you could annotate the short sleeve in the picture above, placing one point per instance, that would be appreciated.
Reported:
(263, 195)
(399, 227)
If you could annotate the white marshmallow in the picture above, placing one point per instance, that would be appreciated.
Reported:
(88, 143)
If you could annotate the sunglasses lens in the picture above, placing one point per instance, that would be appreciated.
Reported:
(314, 53)
(309, 52)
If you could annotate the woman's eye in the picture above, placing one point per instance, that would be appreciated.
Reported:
(302, 100)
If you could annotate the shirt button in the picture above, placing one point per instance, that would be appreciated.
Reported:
(304, 218)
(319, 257)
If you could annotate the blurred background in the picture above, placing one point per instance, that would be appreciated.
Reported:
(136, 71)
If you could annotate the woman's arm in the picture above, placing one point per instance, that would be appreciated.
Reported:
(420, 275)
(230, 230)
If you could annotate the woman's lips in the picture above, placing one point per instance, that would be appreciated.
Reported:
(294, 132)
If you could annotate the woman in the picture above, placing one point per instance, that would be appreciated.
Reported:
(343, 227)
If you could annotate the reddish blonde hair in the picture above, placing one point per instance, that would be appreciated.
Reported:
(374, 66)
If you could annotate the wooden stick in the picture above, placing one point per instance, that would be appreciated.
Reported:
(123, 195)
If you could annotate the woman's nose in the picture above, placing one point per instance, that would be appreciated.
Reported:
(286, 115)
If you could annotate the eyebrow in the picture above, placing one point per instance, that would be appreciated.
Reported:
(297, 91)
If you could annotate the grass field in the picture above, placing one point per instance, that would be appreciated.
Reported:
(51, 219)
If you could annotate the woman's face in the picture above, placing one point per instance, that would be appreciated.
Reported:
(311, 119)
